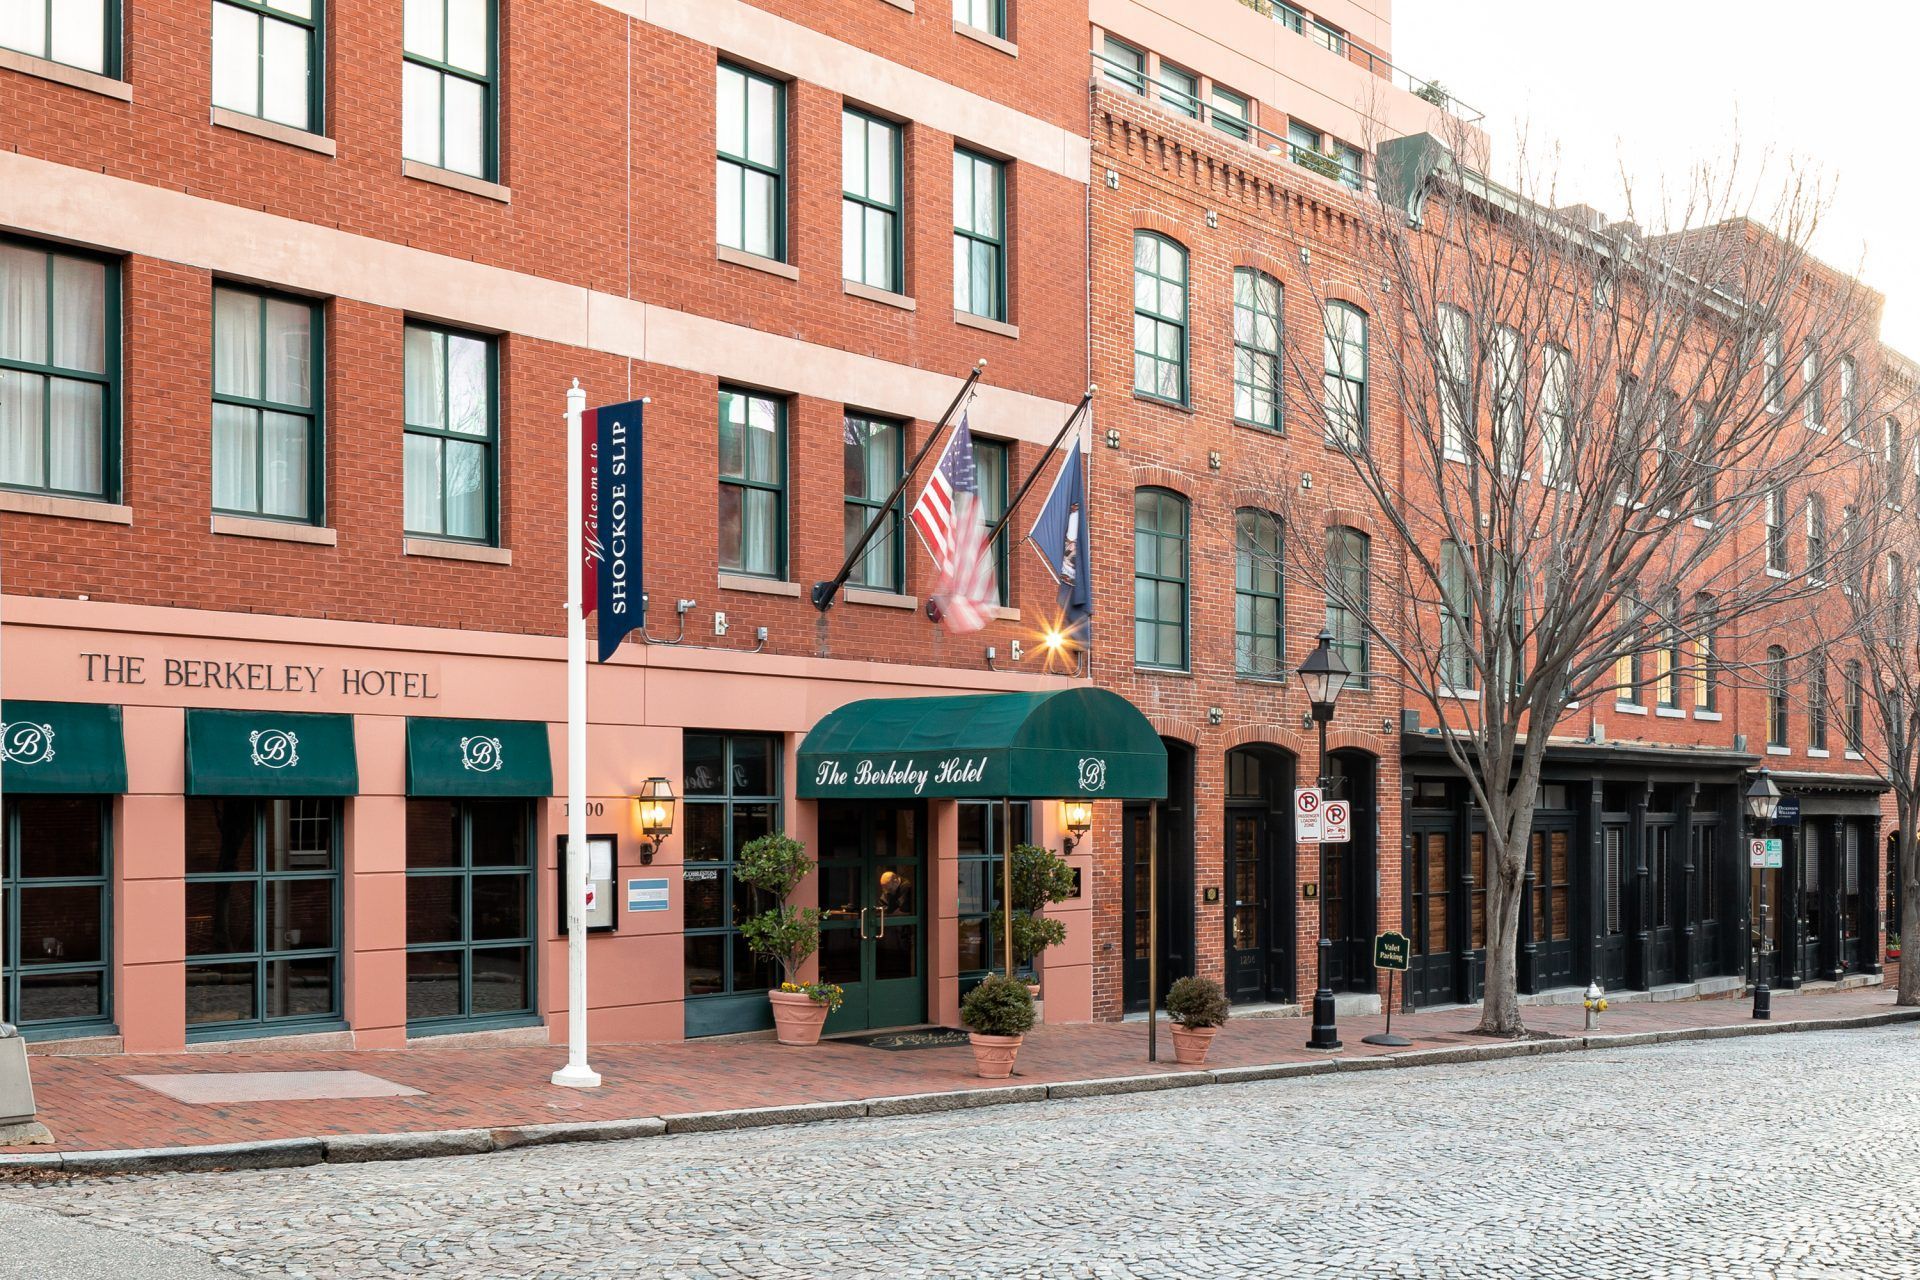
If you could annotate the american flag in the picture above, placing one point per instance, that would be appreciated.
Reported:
(948, 518)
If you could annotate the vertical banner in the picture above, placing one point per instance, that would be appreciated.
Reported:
(611, 543)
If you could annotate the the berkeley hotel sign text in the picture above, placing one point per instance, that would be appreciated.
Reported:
(260, 677)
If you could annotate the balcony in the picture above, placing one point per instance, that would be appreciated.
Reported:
(1335, 42)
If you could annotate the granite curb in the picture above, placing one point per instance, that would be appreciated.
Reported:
(291, 1153)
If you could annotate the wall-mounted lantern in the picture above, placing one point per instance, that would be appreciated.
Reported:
(1077, 817)
(655, 803)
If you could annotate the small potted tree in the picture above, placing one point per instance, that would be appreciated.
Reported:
(998, 1013)
(1197, 1007)
(773, 866)
(1040, 877)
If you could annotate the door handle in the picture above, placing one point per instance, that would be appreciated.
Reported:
(863, 924)
(881, 913)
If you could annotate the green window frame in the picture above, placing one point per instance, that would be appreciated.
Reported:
(730, 794)
(980, 899)
(1232, 113)
(74, 33)
(452, 422)
(873, 456)
(989, 16)
(1856, 696)
(269, 428)
(471, 908)
(1349, 600)
(979, 235)
(1160, 578)
(1776, 696)
(1817, 700)
(1125, 65)
(871, 200)
(59, 371)
(450, 98)
(267, 60)
(1345, 377)
(750, 172)
(1179, 90)
(1159, 318)
(1259, 595)
(1706, 654)
(1257, 303)
(753, 484)
(993, 467)
(57, 868)
(245, 922)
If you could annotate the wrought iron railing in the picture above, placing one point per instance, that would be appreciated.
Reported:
(1335, 41)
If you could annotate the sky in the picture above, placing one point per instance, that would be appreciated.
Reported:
(1657, 88)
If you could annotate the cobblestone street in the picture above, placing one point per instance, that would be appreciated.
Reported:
(1778, 1156)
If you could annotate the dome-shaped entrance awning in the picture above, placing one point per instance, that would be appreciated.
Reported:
(1064, 743)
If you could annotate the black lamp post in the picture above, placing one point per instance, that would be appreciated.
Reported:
(1763, 804)
(1323, 676)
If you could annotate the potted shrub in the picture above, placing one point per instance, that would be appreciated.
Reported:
(1040, 877)
(772, 866)
(1197, 1007)
(999, 1013)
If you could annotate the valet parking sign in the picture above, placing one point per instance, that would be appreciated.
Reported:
(610, 552)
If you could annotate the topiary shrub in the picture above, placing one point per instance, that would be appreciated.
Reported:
(1195, 1003)
(998, 1007)
(773, 866)
(1040, 876)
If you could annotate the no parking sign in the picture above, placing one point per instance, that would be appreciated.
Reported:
(1336, 822)
(1306, 815)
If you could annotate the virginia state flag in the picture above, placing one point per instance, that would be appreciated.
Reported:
(1059, 534)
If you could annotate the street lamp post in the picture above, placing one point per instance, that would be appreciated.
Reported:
(1763, 805)
(1323, 676)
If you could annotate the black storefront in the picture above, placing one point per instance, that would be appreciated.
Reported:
(1824, 902)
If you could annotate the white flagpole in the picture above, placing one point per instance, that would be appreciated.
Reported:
(576, 1074)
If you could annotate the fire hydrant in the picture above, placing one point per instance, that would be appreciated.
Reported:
(1596, 1003)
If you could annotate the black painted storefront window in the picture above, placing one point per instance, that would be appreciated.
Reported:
(56, 914)
(469, 913)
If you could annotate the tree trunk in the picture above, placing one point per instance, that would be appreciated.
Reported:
(1907, 855)
(1500, 1006)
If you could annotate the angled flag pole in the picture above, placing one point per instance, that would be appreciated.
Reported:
(824, 592)
(1033, 475)
(576, 1074)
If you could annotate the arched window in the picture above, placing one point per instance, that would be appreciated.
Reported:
(1856, 695)
(1817, 701)
(1346, 375)
(1159, 317)
(1256, 348)
(1896, 604)
(1667, 659)
(1259, 603)
(1706, 659)
(1456, 619)
(1347, 599)
(1454, 366)
(1556, 417)
(1816, 537)
(1159, 579)
(1776, 696)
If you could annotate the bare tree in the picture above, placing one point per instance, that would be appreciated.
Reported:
(1579, 436)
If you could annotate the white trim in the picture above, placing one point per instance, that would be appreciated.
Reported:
(985, 325)
(456, 181)
(472, 552)
(754, 262)
(64, 508)
(1854, 755)
(1630, 708)
(1818, 753)
(241, 122)
(1706, 715)
(884, 599)
(759, 586)
(60, 73)
(1700, 522)
(274, 530)
(1462, 695)
(1778, 751)
(1671, 713)
(886, 296)
(986, 38)
(1001, 613)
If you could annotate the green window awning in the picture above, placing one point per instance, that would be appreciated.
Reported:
(270, 753)
(461, 758)
(62, 747)
(1066, 743)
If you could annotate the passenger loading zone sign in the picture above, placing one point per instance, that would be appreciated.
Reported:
(1306, 815)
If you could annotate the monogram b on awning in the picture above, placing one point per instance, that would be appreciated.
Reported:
(69, 748)
(270, 753)
(467, 758)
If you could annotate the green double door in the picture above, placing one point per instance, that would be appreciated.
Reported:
(873, 903)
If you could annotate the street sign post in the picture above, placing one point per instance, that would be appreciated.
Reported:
(1306, 815)
(1336, 822)
(1390, 952)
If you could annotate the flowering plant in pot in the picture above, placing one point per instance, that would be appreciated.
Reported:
(1198, 1008)
(773, 865)
(999, 1013)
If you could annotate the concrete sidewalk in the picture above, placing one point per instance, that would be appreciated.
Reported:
(459, 1101)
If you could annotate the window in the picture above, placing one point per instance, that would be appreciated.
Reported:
(1706, 658)
(750, 175)
(1259, 596)
(447, 108)
(1352, 162)
(1626, 666)
(1813, 407)
(1179, 90)
(1706, 860)
(1817, 702)
(263, 910)
(1776, 696)
(1856, 695)
(1775, 516)
(990, 465)
(1159, 579)
(1667, 659)
(1456, 616)
(1346, 375)
(1892, 461)
(979, 903)
(1125, 65)
(77, 33)
(1453, 365)
(1159, 317)
(1256, 349)
(55, 922)
(871, 465)
(1505, 380)
(1851, 557)
(1816, 537)
(870, 201)
(979, 235)
(470, 895)
(451, 462)
(989, 16)
(1706, 466)
(59, 369)
(1329, 38)
(731, 795)
(1288, 16)
(1302, 140)
(753, 484)
(266, 417)
(1849, 402)
(1773, 359)
(1556, 418)
(1347, 600)
(264, 61)
(1896, 598)
(1232, 114)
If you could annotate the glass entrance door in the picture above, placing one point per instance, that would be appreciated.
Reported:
(1663, 882)
(1247, 912)
(1807, 909)
(1549, 858)
(1611, 960)
(1429, 875)
(873, 909)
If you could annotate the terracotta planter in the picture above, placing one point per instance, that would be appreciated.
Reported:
(797, 1017)
(1190, 1044)
(993, 1055)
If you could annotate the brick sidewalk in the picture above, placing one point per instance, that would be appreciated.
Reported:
(89, 1105)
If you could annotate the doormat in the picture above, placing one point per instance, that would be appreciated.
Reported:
(925, 1038)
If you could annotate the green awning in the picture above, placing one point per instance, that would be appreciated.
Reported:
(1067, 743)
(478, 758)
(270, 753)
(65, 747)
